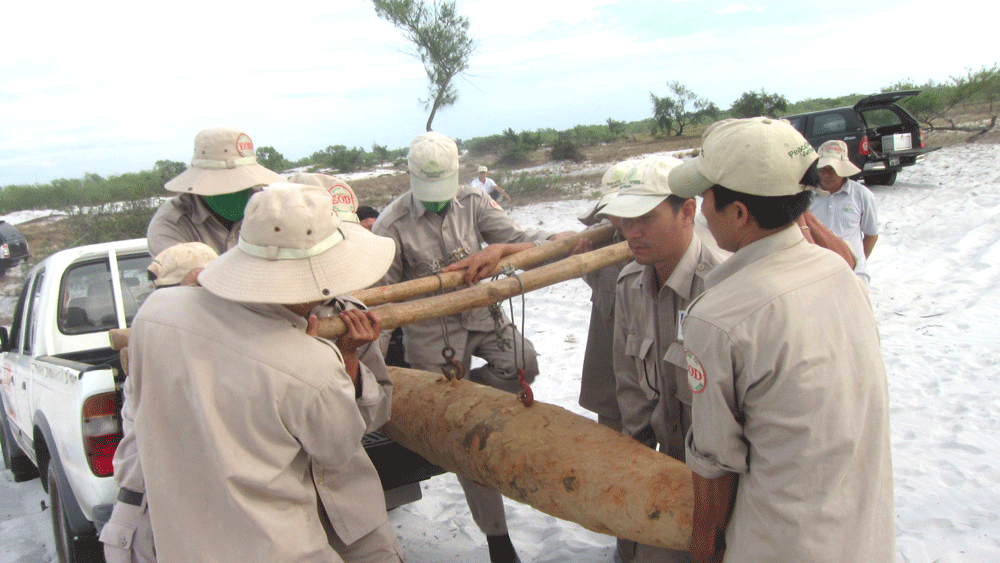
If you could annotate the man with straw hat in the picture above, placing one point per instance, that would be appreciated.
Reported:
(248, 418)
(845, 206)
(213, 193)
(653, 291)
(789, 443)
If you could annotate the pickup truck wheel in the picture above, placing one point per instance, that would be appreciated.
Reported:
(881, 179)
(13, 457)
(69, 547)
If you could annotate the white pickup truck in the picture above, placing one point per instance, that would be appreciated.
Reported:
(61, 383)
(60, 388)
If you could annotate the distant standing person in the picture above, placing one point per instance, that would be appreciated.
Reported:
(489, 187)
(845, 206)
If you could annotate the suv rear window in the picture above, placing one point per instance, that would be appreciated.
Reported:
(880, 117)
(828, 124)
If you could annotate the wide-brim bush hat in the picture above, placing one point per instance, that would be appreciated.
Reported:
(294, 249)
(224, 162)
(433, 165)
(758, 156)
(834, 153)
(345, 201)
(643, 187)
(170, 266)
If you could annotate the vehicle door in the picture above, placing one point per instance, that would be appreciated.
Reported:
(19, 365)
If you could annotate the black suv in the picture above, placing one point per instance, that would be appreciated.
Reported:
(881, 136)
(13, 247)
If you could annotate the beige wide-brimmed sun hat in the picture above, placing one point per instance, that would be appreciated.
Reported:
(224, 162)
(834, 153)
(345, 201)
(294, 249)
(170, 266)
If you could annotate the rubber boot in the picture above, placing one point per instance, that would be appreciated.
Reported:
(502, 550)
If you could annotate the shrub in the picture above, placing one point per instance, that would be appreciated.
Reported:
(565, 149)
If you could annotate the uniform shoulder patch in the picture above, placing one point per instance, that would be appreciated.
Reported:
(696, 373)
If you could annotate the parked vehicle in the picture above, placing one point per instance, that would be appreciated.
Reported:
(13, 247)
(60, 391)
(881, 136)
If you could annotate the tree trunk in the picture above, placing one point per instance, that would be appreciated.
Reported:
(558, 462)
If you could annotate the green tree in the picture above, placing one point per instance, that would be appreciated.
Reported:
(753, 104)
(983, 83)
(674, 109)
(442, 42)
(271, 159)
(169, 169)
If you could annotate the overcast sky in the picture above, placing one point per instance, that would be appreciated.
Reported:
(112, 87)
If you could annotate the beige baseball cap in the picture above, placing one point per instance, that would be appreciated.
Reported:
(170, 266)
(835, 153)
(758, 156)
(643, 187)
(433, 165)
(224, 162)
(345, 201)
(294, 249)
(611, 182)
(482, 169)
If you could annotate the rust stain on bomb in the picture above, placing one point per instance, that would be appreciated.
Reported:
(481, 432)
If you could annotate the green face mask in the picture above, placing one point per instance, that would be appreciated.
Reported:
(229, 206)
(435, 206)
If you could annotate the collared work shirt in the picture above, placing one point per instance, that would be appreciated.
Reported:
(790, 394)
(186, 218)
(649, 359)
(247, 421)
(850, 213)
(424, 238)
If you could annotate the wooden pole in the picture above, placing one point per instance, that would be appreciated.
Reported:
(523, 260)
(558, 462)
(484, 294)
(481, 295)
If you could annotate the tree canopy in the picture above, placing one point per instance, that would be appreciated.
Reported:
(673, 109)
(442, 42)
(753, 104)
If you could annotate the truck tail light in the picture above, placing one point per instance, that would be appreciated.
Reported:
(921, 138)
(4, 251)
(863, 146)
(102, 430)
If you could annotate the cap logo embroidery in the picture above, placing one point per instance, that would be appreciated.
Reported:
(432, 169)
(244, 145)
(803, 150)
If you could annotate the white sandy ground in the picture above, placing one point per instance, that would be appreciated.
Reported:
(936, 292)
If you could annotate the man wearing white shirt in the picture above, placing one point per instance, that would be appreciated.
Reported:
(849, 209)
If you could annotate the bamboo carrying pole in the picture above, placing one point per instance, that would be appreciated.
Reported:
(521, 261)
(481, 295)
(484, 294)
(558, 462)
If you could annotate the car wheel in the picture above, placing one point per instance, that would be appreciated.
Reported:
(881, 179)
(13, 457)
(69, 547)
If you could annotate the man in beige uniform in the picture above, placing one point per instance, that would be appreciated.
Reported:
(790, 439)
(668, 272)
(252, 422)
(213, 193)
(435, 224)
(128, 535)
